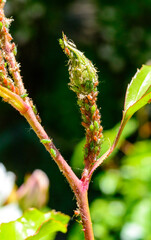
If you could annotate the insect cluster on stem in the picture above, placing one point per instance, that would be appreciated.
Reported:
(84, 82)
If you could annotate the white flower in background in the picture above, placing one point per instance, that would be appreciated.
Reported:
(7, 180)
(32, 193)
(10, 212)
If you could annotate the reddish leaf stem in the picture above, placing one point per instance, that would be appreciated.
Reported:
(111, 149)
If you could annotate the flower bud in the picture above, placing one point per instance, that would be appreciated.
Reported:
(34, 192)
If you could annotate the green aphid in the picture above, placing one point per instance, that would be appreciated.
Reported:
(15, 50)
(24, 95)
(61, 43)
(96, 149)
(34, 109)
(80, 102)
(5, 64)
(91, 127)
(1, 75)
(96, 125)
(84, 118)
(7, 25)
(92, 146)
(93, 108)
(1, 26)
(89, 86)
(53, 152)
(45, 141)
(87, 107)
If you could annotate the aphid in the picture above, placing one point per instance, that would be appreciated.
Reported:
(94, 117)
(12, 87)
(91, 127)
(24, 95)
(93, 108)
(5, 81)
(97, 111)
(34, 109)
(96, 125)
(82, 110)
(95, 138)
(77, 212)
(17, 90)
(86, 100)
(9, 84)
(96, 149)
(87, 107)
(89, 97)
(100, 135)
(53, 152)
(96, 83)
(4, 29)
(67, 51)
(1, 25)
(2, 67)
(45, 141)
(38, 118)
(31, 103)
(14, 49)
(84, 124)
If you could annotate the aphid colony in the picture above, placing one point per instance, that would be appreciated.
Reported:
(4, 79)
(84, 81)
(9, 68)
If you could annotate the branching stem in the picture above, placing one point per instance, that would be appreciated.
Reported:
(80, 188)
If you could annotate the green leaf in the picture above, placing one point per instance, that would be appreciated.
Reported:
(35, 225)
(138, 92)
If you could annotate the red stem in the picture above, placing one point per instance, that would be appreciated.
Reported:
(62, 164)
(82, 202)
(80, 188)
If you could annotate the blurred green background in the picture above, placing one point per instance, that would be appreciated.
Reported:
(116, 36)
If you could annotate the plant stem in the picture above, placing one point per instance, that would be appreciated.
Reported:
(82, 202)
(62, 164)
(80, 188)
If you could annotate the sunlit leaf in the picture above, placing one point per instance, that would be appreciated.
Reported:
(34, 225)
(138, 92)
